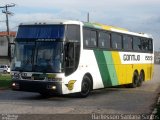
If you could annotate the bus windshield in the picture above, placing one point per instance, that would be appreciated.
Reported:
(38, 57)
(41, 32)
(39, 48)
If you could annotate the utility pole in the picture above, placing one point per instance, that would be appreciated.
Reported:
(88, 17)
(7, 13)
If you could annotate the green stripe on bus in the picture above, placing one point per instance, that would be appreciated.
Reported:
(111, 67)
(106, 68)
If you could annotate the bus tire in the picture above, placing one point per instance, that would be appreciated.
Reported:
(141, 79)
(85, 87)
(135, 80)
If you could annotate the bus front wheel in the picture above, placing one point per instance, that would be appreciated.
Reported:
(85, 87)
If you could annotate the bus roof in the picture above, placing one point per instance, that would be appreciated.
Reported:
(90, 25)
(114, 29)
(51, 22)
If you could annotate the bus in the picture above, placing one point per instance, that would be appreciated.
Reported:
(66, 56)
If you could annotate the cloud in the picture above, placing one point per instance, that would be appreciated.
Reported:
(135, 15)
(80, 4)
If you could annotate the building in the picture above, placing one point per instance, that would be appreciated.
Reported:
(5, 46)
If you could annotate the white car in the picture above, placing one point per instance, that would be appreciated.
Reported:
(4, 69)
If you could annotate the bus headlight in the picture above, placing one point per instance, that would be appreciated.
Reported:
(53, 87)
(50, 87)
(15, 85)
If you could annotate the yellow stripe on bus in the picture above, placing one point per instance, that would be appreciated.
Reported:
(125, 72)
(108, 27)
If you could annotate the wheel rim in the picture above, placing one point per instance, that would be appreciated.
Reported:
(85, 88)
(141, 78)
(135, 80)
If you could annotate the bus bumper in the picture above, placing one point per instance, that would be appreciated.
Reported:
(37, 86)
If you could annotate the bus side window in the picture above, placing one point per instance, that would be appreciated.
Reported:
(89, 38)
(104, 40)
(93, 41)
(86, 37)
(127, 42)
(136, 44)
(116, 41)
(73, 32)
(150, 45)
(145, 44)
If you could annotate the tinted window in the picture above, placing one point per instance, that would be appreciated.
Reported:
(72, 54)
(145, 44)
(86, 37)
(116, 41)
(150, 45)
(127, 43)
(136, 44)
(73, 32)
(104, 40)
(93, 41)
(90, 38)
(2, 66)
(41, 31)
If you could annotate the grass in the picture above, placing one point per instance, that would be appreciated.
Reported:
(5, 80)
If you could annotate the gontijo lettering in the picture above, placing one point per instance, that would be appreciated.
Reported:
(128, 57)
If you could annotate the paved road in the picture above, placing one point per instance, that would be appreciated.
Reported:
(105, 101)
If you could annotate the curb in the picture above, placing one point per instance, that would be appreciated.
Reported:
(4, 88)
(155, 109)
(156, 103)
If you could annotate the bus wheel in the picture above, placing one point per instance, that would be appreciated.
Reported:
(141, 79)
(135, 80)
(85, 87)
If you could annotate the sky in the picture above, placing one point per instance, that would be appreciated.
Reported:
(134, 15)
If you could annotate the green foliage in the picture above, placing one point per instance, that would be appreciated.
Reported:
(5, 80)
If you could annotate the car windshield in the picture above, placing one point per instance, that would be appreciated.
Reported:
(38, 56)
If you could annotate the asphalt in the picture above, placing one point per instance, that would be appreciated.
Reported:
(109, 101)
